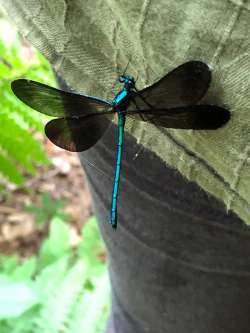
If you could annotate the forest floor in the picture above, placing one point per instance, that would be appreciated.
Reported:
(64, 180)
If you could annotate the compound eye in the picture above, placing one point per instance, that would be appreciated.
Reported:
(121, 78)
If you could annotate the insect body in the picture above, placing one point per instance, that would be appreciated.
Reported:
(119, 99)
(81, 120)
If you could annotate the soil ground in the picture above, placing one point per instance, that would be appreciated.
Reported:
(63, 179)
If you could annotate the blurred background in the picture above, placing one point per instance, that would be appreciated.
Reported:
(53, 274)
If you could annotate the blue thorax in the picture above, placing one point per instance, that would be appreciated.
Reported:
(128, 84)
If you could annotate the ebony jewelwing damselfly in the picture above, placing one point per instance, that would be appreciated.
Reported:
(171, 102)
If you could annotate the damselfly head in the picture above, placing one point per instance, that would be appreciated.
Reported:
(127, 80)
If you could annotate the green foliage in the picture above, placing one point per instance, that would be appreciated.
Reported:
(62, 290)
(19, 149)
(48, 209)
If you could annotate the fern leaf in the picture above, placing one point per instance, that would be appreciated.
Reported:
(92, 310)
(18, 147)
(60, 300)
(10, 171)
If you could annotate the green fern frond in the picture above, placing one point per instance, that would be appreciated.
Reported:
(62, 297)
(10, 171)
(19, 149)
(64, 301)
(30, 119)
(91, 311)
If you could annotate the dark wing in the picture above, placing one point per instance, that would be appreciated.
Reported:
(78, 134)
(197, 117)
(183, 86)
(55, 102)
